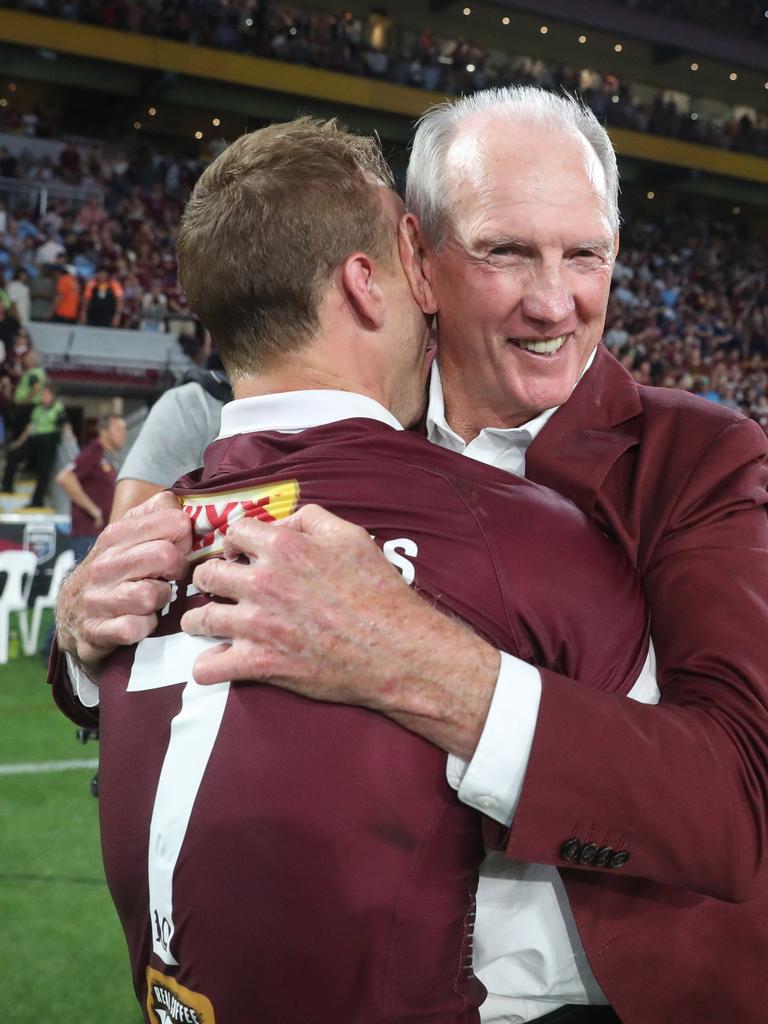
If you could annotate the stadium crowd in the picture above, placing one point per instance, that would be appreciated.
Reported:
(689, 309)
(689, 306)
(108, 262)
(341, 41)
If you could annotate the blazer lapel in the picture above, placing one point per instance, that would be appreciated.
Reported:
(600, 421)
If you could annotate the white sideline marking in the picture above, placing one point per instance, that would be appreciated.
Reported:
(41, 767)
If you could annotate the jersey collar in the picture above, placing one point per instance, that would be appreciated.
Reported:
(293, 411)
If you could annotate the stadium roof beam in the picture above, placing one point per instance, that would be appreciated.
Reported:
(607, 16)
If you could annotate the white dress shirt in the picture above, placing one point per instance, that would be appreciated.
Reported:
(527, 949)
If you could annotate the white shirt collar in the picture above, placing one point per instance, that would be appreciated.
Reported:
(439, 430)
(293, 411)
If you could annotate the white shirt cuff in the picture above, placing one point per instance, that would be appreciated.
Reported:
(83, 687)
(493, 780)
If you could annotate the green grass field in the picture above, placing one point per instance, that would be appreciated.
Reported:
(62, 953)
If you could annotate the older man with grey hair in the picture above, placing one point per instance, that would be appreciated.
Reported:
(626, 863)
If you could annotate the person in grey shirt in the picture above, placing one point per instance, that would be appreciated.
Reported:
(172, 439)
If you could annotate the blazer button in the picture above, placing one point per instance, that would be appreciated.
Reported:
(588, 853)
(571, 849)
(603, 857)
(619, 858)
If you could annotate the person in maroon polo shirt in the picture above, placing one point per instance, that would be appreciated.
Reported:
(90, 483)
(272, 858)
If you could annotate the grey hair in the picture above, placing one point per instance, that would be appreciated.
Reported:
(426, 190)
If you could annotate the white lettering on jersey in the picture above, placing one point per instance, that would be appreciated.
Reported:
(167, 661)
(394, 550)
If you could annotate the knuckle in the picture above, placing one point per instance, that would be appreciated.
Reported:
(254, 588)
(360, 535)
(151, 595)
(130, 629)
(164, 556)
(285, 543)
(108, 536)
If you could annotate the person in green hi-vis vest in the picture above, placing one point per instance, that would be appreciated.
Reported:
(37, 441)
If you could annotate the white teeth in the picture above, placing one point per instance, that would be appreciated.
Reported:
(545, 347)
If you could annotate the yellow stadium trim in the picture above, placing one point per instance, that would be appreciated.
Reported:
(690, 154)
(206, 62)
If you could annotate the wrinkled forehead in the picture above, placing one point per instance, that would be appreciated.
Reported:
(503, 162)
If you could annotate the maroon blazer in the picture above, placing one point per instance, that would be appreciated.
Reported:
(681, 935)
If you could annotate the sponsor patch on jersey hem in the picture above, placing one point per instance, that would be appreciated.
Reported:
(168, 1002)
(213, 514)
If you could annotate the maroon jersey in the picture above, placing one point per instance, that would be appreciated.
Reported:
(284, 861)
(97, 477)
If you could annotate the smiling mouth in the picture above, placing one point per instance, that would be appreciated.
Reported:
(540, 346)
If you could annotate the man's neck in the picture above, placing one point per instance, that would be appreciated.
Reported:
(468, 417)
(312, 368)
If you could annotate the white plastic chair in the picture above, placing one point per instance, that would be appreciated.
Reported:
(20, 567)
(61, 567)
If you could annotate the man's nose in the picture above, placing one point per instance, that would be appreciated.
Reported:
(548, 300)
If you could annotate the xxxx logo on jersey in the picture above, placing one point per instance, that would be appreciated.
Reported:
(171, 1003)
(213, 514)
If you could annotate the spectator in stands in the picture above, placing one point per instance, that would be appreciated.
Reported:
(67, 305)
(9, 325)
(48, 253)
(6, 406)
(28, 392)
(92, 215)
(38, 442)
(15, 364)
(90, 483)
(69, 164)
(42, 293)
(102, 301)
(18, 290)
(155, 308)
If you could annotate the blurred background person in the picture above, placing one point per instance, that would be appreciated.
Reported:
(90, 483)
(67, 304)
(37, 442)
(102, 301)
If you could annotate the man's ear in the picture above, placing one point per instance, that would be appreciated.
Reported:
(364, 294)
(415, 259)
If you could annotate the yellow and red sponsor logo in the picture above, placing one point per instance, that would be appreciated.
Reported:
(168, 1002)
(213, 514)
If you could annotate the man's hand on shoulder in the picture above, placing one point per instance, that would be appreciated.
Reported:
(113, 597)
(318, 610)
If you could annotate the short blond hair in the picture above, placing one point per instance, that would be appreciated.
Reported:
(268, 222)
